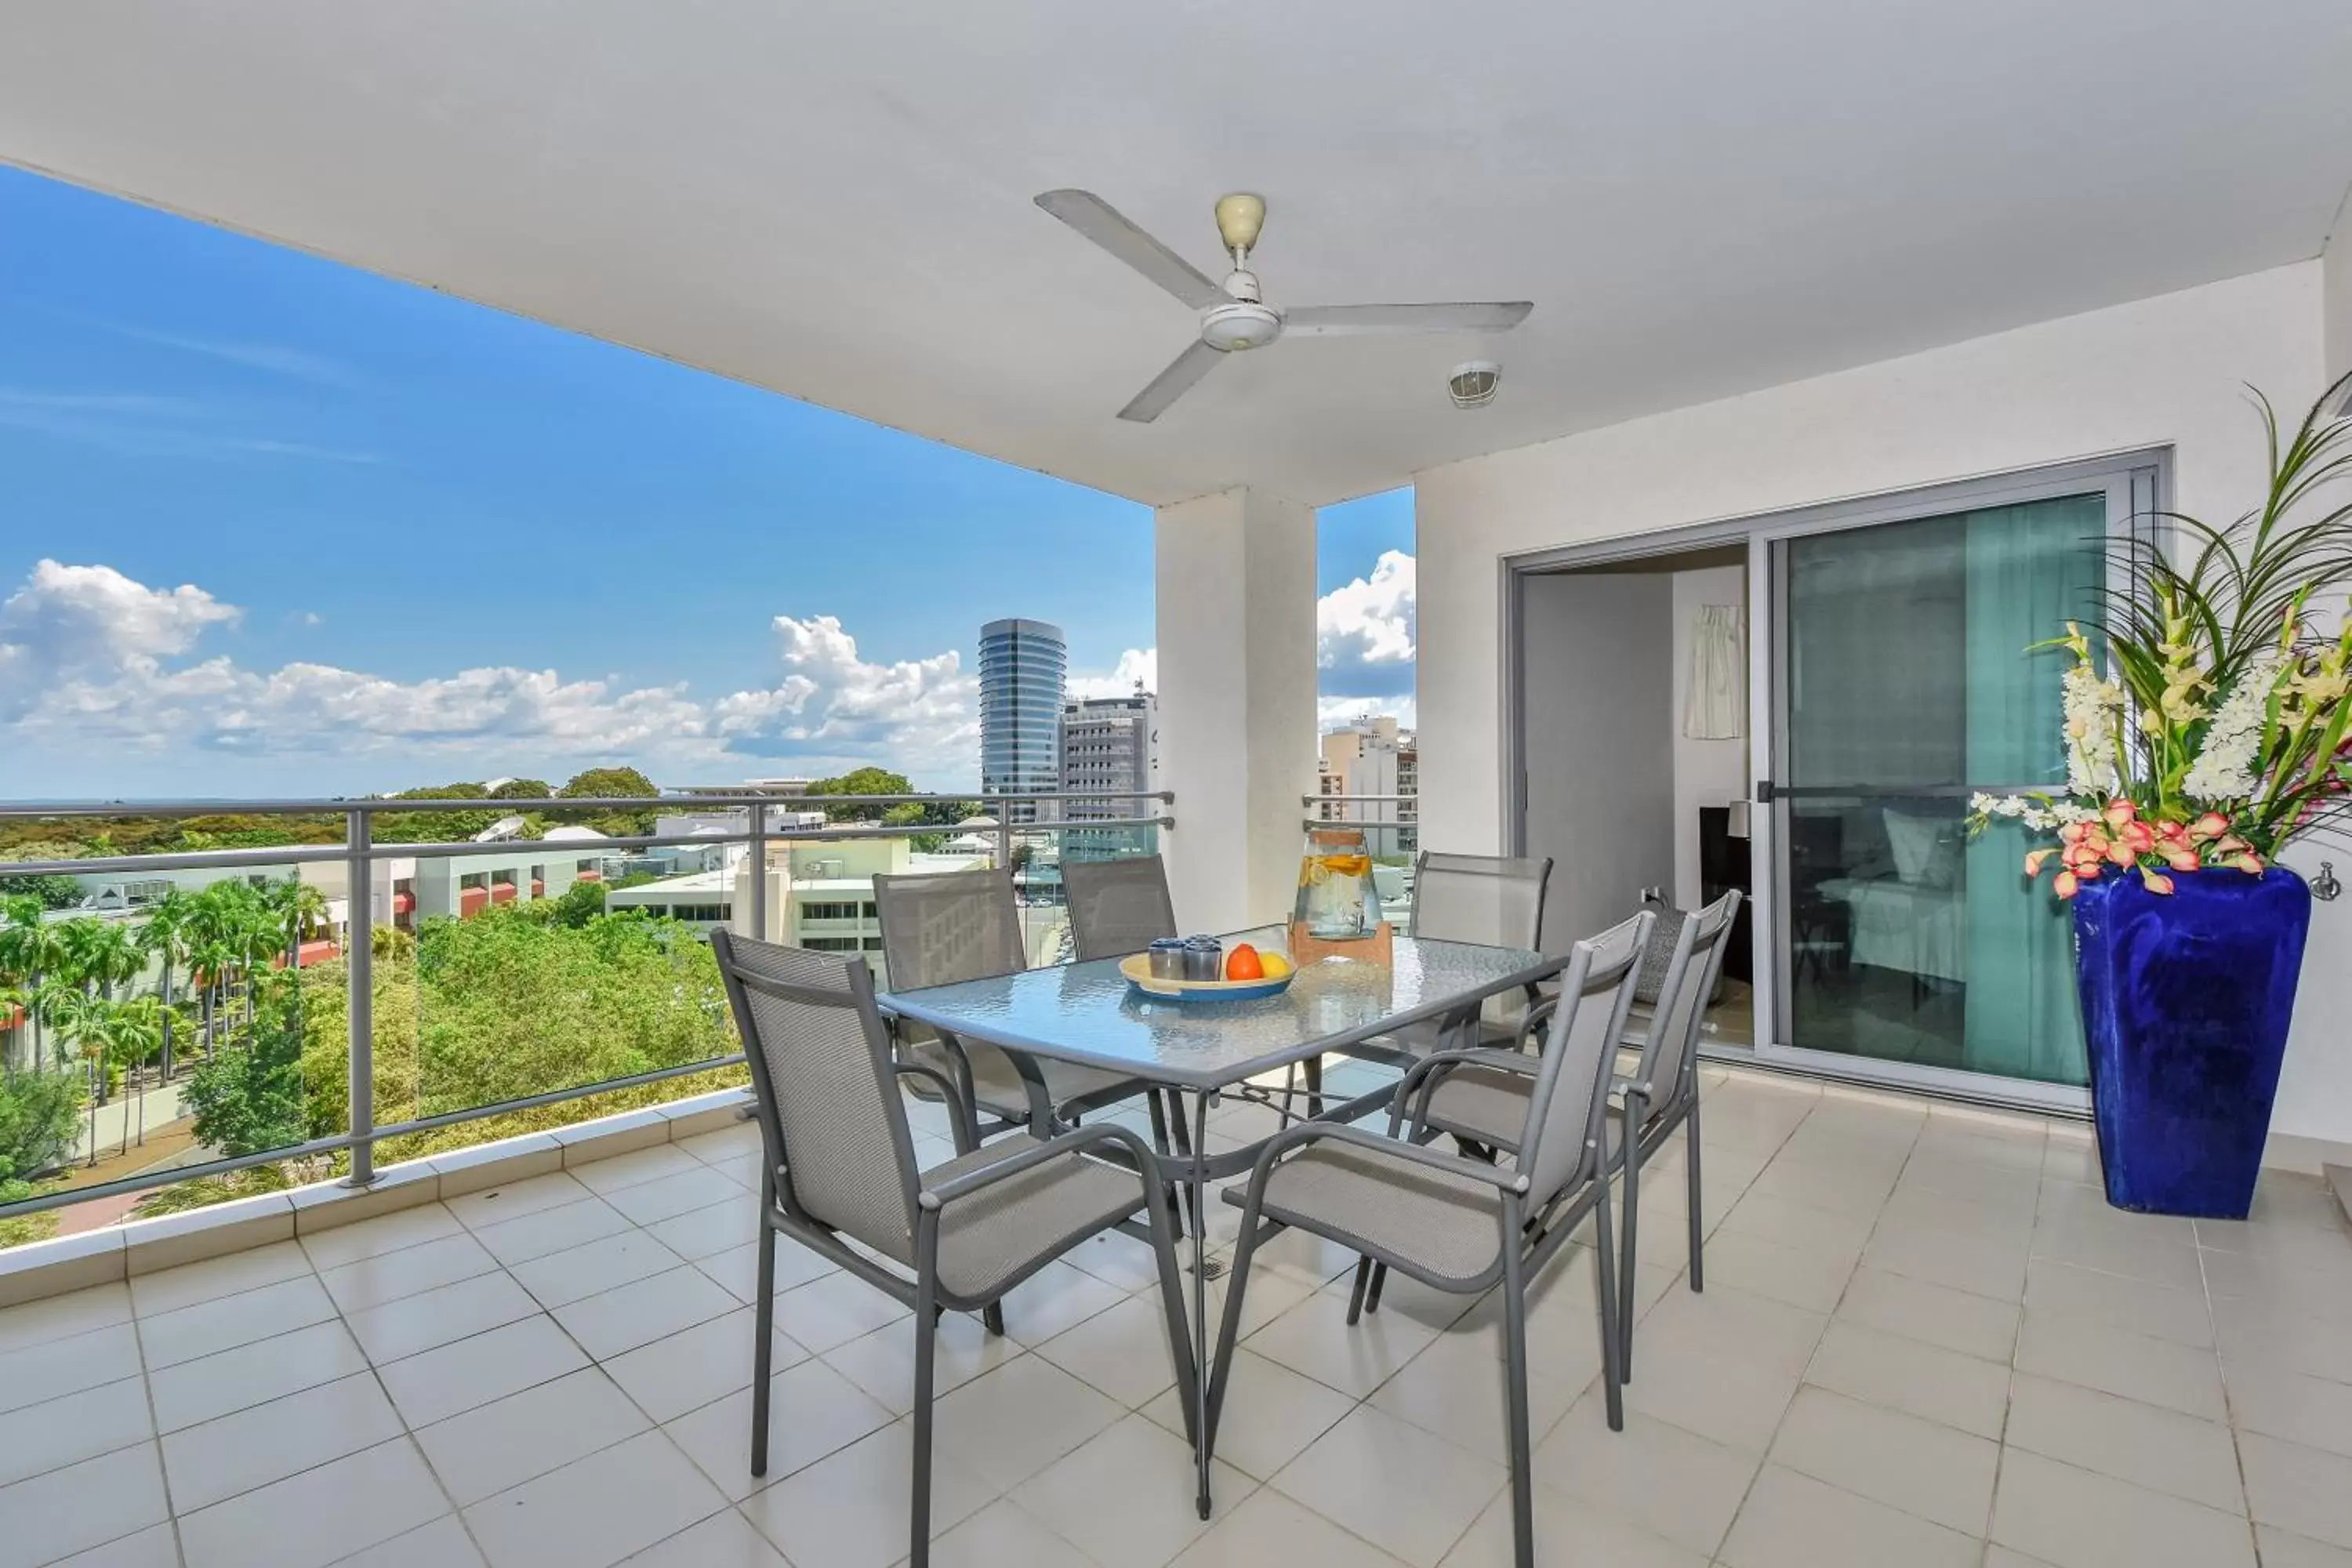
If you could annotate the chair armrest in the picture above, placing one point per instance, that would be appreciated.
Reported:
(1069, 1143)
(1444, 1061)
(1301, 1134)
(1536, 1018)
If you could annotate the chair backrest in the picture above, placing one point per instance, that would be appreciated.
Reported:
(1117, 907)
(941, 927)
(1562, 1144)
(1491, 899)
(1672, 1049)
(830, 1113)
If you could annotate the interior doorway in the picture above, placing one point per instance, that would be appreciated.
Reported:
(1633, 747)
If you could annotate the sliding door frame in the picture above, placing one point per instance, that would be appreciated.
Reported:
(2138, 486)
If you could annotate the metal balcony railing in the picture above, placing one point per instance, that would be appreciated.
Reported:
(362, 859)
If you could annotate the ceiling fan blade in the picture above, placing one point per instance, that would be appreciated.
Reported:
(1100, 222)
(1171, 384)
(1325, 321)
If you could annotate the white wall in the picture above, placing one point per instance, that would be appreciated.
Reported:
(1600, 749)
(1706, 772)
(1235, 598)
(2335, 268)
(2166, 371)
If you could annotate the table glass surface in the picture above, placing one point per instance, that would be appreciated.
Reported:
(1088, 1013)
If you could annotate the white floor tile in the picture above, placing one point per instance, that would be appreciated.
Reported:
(1123, 1352)
(1007, 1425)
(643, 1310)
(1150, 1472)
(224, 1323)
(318, 1516)
(253, 1374)
(559, 1228)
(576, 1273)
(1918, 1379)
(2282, 1549)
(457, 1376)
(157, 1546)
(443, 1544)
(217, 1459)
(883, 1362)
(57, 1318)
(1054, 1299)
(2074, 1519)
(812, 1410)
(64, 1431)
(1567, 1533)
(722, 1541)
(636, 1168)
(70, 1509)
(736, 1269)
(689, 1369)
(1792, 1521)
(2146, 1445)
(434, 1318)
(597, 1511)
(1315, 1339)
(2305, 1491)
(2133, 1366)
(834, 1309)
(1002, 1536)
(701, 1233)
(234, 1274)
(1673, 1484)
(343, 1244)
(1348, 1476)
(39, 1373)
(679, 1192)
(1939, 1473)
(1270, 1415)
(852, 1508)
(388, 1276)
(477, 1211)
(492, 1447)
(1933, 1314)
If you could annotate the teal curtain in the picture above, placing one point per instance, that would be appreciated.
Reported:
(2029, 569)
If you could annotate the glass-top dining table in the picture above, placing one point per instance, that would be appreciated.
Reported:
(1087, 1014)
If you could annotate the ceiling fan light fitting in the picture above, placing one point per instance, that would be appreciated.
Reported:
(1242, 324)
(1473, 385)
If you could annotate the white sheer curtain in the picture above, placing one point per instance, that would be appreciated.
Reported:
(1715, 705)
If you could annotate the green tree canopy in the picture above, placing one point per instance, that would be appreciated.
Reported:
(612, 783)
(861, 781)
(523, 789)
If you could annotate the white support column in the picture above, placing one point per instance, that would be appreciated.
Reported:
(2335, 292)
(1237, 610)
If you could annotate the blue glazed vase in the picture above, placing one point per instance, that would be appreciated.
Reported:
(2185, 1002)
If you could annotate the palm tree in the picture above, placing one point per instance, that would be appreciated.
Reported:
(29, 951)
(102, 953)
(130, 1031)
(165, 935)
(300, 908)
(78, 1017)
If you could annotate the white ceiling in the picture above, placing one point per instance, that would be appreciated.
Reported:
(834, 200)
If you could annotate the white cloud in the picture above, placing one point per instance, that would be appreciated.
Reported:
(93, 659)
(914, 715)
(1136, 666)
(1364, 632)
(1337, 712)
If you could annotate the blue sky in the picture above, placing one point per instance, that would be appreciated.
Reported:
(312, 530)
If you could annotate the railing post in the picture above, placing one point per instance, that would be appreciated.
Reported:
(359, 966)
(757, 850)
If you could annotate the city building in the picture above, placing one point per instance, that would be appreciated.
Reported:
(1373, 757)
(1022, 664)
(1110, 744)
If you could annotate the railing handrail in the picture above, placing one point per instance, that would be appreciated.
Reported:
(357, 850)
(1368, 799)
(331, 806)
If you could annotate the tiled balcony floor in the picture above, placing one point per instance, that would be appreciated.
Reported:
(1925, 1341)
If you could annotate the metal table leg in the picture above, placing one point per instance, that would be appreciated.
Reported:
(1200, 1184)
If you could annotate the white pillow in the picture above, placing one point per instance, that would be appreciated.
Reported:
(1926, 854)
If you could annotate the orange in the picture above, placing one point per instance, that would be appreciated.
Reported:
(1241, 963)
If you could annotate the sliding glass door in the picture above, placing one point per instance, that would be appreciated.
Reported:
(1902, 684)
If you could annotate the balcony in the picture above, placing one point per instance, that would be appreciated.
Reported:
(1922, 1331)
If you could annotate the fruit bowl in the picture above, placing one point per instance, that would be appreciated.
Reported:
(1137, 967)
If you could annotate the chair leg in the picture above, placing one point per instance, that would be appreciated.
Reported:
(1373, 1296)
(1355, 1296)
(1604, 1281)
(1636, 1114)
(918, 1516)
(1314, 1069)
(1514, 1389)
(1188, 1197)
(1229, 1327)
(1160, 1145)
(764, 1326)
(1690, 1171)
(1171, 1303)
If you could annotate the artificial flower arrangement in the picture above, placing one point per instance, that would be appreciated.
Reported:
(2206, 716)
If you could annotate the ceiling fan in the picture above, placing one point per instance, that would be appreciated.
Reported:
(1234, 316)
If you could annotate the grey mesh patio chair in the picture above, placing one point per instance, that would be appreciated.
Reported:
(1460, 1225)
(941, 927)
(839, 1167)
(1117, 907)
(1480, 1097)
(1496, 899)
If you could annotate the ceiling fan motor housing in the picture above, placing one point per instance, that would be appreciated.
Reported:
(1240, 324)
